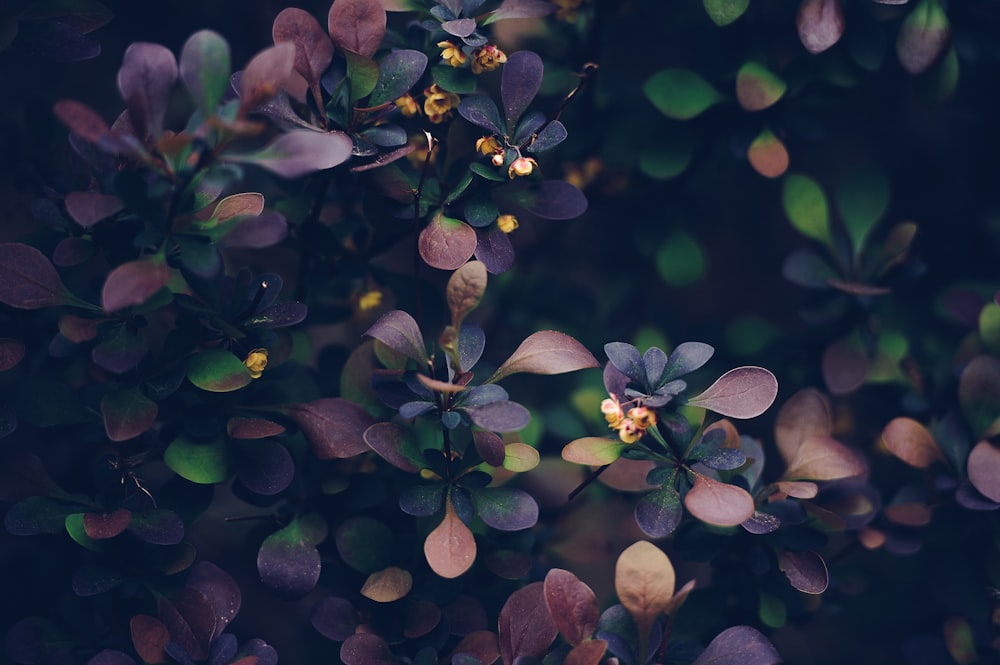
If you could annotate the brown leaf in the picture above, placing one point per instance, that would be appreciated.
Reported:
(525, 627)
(546, 352)
(313, 48)
(824, 458)
(265, 76)
(572, 604)
(357, 25)
(465, 289)
(911, 442)
(386, 586)
(718, 503)
(805, 415)
(644, 582)
(450, 548)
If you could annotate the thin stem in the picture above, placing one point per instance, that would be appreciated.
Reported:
(588, 70)
(594, 475)
(431, 143)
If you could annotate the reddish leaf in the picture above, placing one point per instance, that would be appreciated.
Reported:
(480, 644)
(757, 88)
(334, 427)
(805, 415)
(743, 392)
(820, 24)
(219, 589)
(313, 48)
(845, 365)
(718, 503)
(239, 427)
(145, 80)
(357, 25)
(149, 636)
(247, 203)
(824, 458)
(265, 76)
(400, 332)
(984, 469)
(590, 652)
(446, 243)
(739, 645)
(387, 586)
(127, 414)
(923, 36)
(88, 208)
(28, 280)
(911, 442)
(628, 475)
(768, 155)
(132, 283)
(546, 352)
(299, 152)
(100, 526)
(805, 570)
(525, 627)
(800, 489)
(450, 548)
(11, 353)
(572, 605)
(644, 582)
(490, 447)
(465, 289)
(366, 649)
(396, 446)
(979, 395)
(81, 120)
(593, 450)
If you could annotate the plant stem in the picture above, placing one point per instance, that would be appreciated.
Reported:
(594, 475)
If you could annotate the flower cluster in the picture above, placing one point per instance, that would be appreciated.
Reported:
(484, 59)
(438, 103)
(632, 426)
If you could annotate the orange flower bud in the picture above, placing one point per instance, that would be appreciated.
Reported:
(522, 166)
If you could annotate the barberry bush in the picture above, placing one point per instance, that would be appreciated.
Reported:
(363, 331)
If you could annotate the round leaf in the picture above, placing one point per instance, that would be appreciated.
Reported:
(127, 414)
(506, 509)
(644, 582)
(718, 503)
(88, 208)
(593, 451)
(202, 463)
(145, 80)
(288, 561)
(572, 605)
(768, 155)
(133, 283)
(805, 570)
(806, 207)
(217, 371)
(743, 392)
(911, 442)
(757, 88)
(724, 12)
(357, 25)
(923, 36)
(388, 585)
(546, 352)
(984, 469)
(519, 457)
(739, 645)
(334, 427)
(824, 458)
(364, 544)
(820, 24)
(450, 548)
(446, 243)
(28, 280)
(658, 513)
(100, 526)
(979, 394)
(680, 94)
(525, 626)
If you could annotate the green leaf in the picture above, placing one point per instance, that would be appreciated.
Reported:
(217, 371)
(680, 261)
(362, 72)
(398, 71)
(205, 68)
(365, 544)
(665, 161)
(593, 451)
(78, 532)
(127, 413)
(520, 457)
(454, 79)
(680, 94)
(757, 87)
(989, 327)
(806, 207)
(202, 463)
(724, 12)
(862, 200)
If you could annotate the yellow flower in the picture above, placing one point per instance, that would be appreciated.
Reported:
(488, 145)
(407, 105)
(256, 362)
(644, 418)
(453, 54)
(369, 300)
(507, 223)
(487, 58)
(613, 412)
(521, 166)
(438, 103)
(629, 432)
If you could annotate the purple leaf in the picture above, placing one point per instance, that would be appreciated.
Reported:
(718, 503)
(357, 25)
(257, 232)
(743, 392)
(462, 27)
(805, 570)
(446, 243)
(739, 645)
(845, 365)
(132, 283)
(820, 24)
(422, 500)
(158, 527)
(546, 352)
(490, 447)
(121, 353)
(145, 79)
(658, 513)
(281, 315)
(28, 280)
(395, 445)
(399, 331)
(572, 605)
(239, 427)
(686, 358)
(334, 427)
(525, 626)
(127, 414)
(979, 394)
(219, 589)
(366, 648)
(398, 71)
(334, 618)
(505, 508)
(81, 120)
(519, 83)
(549, 199)
(288, 561)
(264, 467)
(481, 111)
(509, 9)
(72, 251)
(265, 76)
(204, 69)
(494, 249)
(88, 208)
(762, 523)
(984, 469)
(502, 416)
(300, 152)
(313, 48)
(190, 619)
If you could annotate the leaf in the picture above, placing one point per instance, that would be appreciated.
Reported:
(265, 76)
(499, 416)
(313, 48)
(398, 71)
(768, 155)
(718, 503)
(100, 526)
(11, 353)
(157, 527)
(450, 548)
(805, 570)
(288, 561)
(145, 80)
(505, 508)
(658, 513)
(217, 371)
(724, 12)
(395, 445)
(205, 68)
(808, 269)
(299, 152)
(357, 25)
(757, 88)
(923, 36)
(88, 208)
(28, 280)
(133, 283)
(806, 207)
(984, 469)
(465, 289)
(979, 394)
(546, 352)
(644, 582)
(911, 442)
(590, 652)
(519, 83)
(805, 415)
(845, 364)
(366, 648)
(81, 120)
(823, 458)
(593, 451)
(862, 200)
(205, 463)
(399, 331)
(548, 199)
(518, 457)
(481, 111)
(446, 243)
(387, 586)
(680, 94)
(462, 27)
(334, 618)
(686, 358)
(509, 9)
(739, 645)
(219, 589)
(742, 392)
(479, 644)
(525, 627)
(334, 427)
(364, 544)
(127, 413)
(820, 24)
(572, 605)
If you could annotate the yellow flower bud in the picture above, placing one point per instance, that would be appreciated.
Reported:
(438, 103)
(497, 159)
(256, 362)
(507, 223)
(451, 54)
(407, 105)
(629, 432)
(644, 418)
(487, 58)
(369, 300)
(521, 166)
(488, 145)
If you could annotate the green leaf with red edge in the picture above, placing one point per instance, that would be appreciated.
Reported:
(979, 395)
(805, 570)
(149, 637)
(593, 450)
(743, 392)
(644, 582)
(724, 12)
(28, 280)
(288, 561)
(525, 627)
(548, 199)
(757, 87)
(572, 605)
(984, 469)
(739, 645)
(450, 548)
(76, 530)
(205, 463)
(806, 206)
(680, 94)
(127, 413)
(923, 36)
(768, 155)
(546, 352)
(204, 68)
(911, 442)
(334, 427)
(446, 243)
(357, 25)
(718, 503)
(133, 283)
(217, 371)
